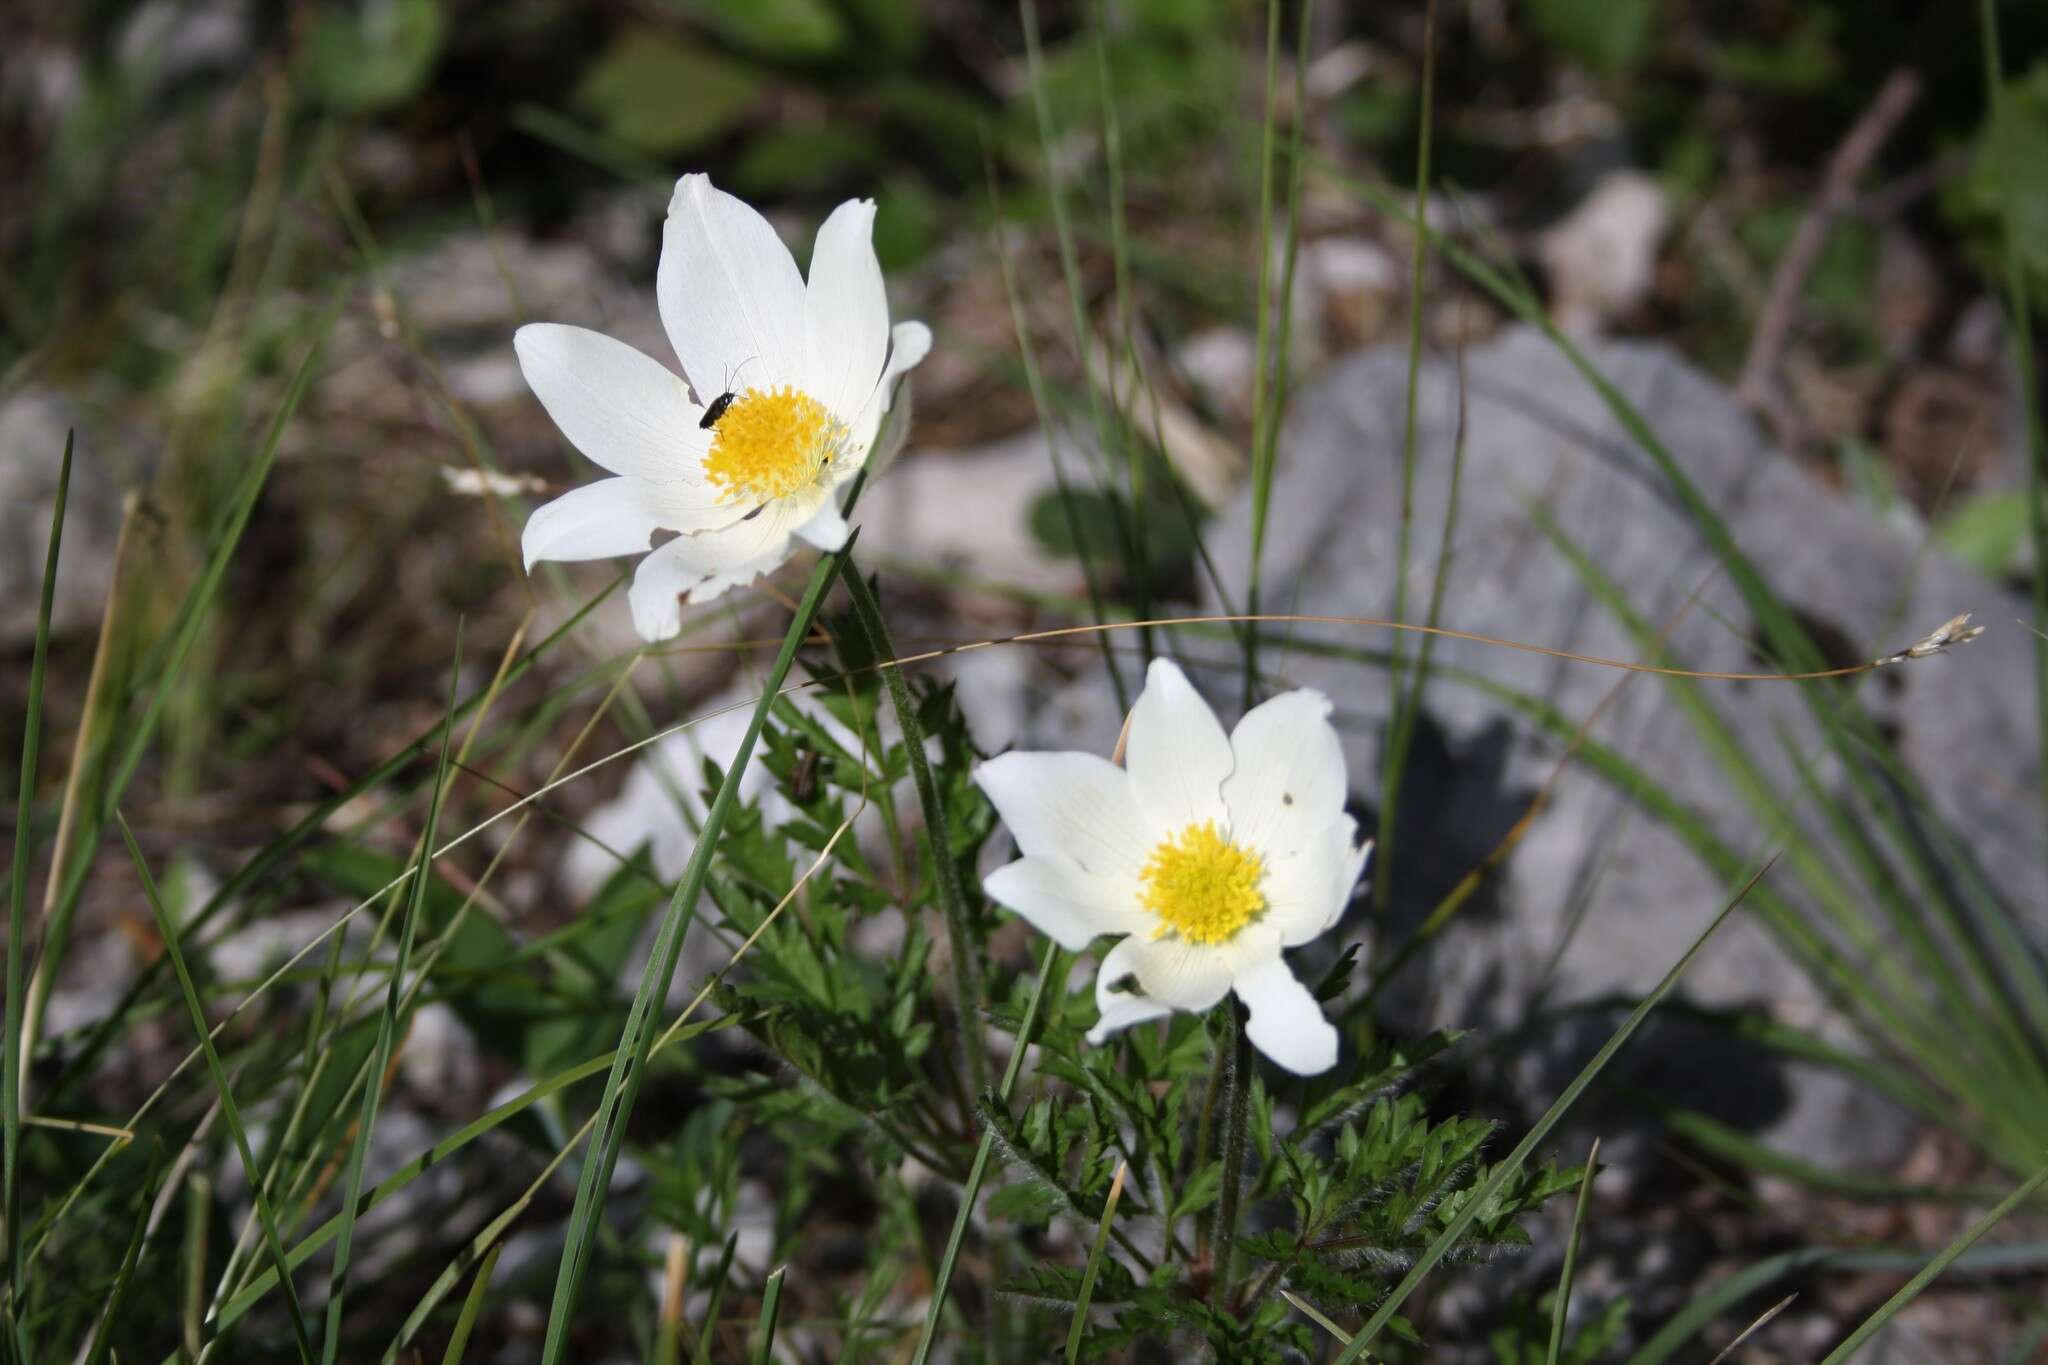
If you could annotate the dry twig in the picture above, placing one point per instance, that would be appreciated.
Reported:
(1759, 387)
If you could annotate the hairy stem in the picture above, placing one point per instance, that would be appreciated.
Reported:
(967, 988)
(1238, 1077)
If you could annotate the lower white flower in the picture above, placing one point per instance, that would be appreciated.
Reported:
(1208, 853)
(792, 382)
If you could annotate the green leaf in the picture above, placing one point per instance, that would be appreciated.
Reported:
(2005, 190)
(777, 30)
(1027, 1202)
(362, 59)
(891, 31)
(17, 881)
(907, 224)
(1988, 532)
(1801, 61)
(778, 160)
(1057, 518)
(660, 95)
(1609, 36)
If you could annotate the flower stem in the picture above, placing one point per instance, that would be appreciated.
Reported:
(952, 896)
(1237, 1076)
(1205, 1127)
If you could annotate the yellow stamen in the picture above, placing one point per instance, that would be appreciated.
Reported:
(1202, 886)
(771, 442)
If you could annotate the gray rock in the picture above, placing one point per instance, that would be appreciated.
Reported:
(32, 427)
(1600, 899)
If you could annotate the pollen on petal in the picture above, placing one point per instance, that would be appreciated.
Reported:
(770, 443)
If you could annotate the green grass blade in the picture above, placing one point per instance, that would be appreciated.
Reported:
(1261, 478)
(1484, 1194)
(1049, 966)
(134, 739)
(1758, 1276)
(629, 1064)
(708, 1331)
(966, 954)
(1730, 1144)
(1401, 728)
(479, 1246)
(1561, 1306)
(771, 1308)
(2020, 324)
(229, 1111)
(1320, 1319)
(387, 1027)
(1120, 274)
(273, 854)
(238, 1306)
(1910, 1290)
(1034, 62)
(1094, 1266)
(472, 1304)
(97, 1348)
(1891, 998)
(17, 888)
(198, 1221)
(1270, 401)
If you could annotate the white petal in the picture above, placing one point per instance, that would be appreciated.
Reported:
(623, 410)
(1289, 781)
(1286, 1022)
(1306, 891)
(846, 312)
(1066, 904)
(1117, 1012)
(909, 342)
(729, 292)
(704, 565)
(617, 517)
(1168, 972)
(1072, 806)
(826, 529)
(596, 521)
(1178, 755)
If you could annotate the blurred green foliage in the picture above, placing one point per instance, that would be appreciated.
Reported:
(1607, 35)
(661, 95)
(2003, 196)
(367, 60)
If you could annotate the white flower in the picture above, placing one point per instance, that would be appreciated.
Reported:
(1210, 853)
(804, 373)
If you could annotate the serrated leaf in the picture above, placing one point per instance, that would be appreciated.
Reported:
(1025, 1201)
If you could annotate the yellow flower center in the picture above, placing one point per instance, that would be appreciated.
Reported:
(1202, 886)
(771, 442)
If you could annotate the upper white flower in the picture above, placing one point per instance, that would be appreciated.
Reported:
(1210, 853)
(809, 369)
